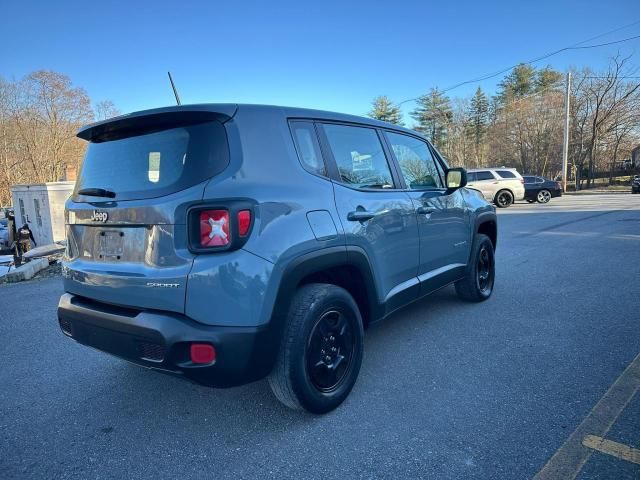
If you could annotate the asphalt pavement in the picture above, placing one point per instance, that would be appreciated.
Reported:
(447, 389)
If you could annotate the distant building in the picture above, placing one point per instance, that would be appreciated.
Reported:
(42, 207)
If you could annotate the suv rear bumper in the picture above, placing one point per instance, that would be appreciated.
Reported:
(161, 341)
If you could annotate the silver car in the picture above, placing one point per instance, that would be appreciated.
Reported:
(501, 186)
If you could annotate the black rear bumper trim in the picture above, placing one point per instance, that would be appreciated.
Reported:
(243, 354)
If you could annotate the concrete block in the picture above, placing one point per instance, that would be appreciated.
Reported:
(27, 270)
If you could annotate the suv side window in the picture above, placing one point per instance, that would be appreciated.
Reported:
(471, 177)
(359, 156)
(529, 180)
(505, 174)
(306, 141)
(416, 162)
(484, 175)
(539, 180)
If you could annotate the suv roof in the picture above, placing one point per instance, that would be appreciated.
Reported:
(492, 168)
(224, 112)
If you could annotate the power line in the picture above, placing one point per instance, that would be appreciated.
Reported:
(575, 46)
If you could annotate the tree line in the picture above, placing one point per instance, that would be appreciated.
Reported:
(522, 125)
(39, 117)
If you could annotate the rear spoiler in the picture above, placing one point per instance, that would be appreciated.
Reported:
(156, 119)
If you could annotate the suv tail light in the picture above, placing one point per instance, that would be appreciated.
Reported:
(220, 227)
(244, 222)
(214, 228)
(522, 181)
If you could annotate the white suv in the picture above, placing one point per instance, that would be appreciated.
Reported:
(502, 186)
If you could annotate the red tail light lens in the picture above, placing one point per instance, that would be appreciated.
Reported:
(244, 222)
(214, 228)
(202, 353)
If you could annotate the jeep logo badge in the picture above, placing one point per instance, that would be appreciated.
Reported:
(97, 216)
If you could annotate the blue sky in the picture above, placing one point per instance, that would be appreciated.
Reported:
(334, 55)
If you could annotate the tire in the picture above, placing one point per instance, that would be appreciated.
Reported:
(321, 350)
(543, 196)
(504, 199)
(477, 285)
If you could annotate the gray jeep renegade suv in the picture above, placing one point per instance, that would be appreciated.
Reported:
(227, 243)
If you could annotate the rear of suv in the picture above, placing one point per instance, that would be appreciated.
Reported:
(226, 243)
(502, 186)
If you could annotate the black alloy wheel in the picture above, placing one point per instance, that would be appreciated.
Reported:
(330, 350)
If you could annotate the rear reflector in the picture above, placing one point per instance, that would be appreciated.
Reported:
(203, 353)
(214, 228)
(244, 222)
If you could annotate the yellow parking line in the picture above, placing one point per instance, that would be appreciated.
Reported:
(610, 447)
(569, 459)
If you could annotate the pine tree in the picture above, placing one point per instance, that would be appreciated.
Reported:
(385, 110)
(433, 115)
(479, 119)
(546, 79)
(519, 83)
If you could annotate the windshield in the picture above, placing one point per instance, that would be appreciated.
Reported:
(155, 163)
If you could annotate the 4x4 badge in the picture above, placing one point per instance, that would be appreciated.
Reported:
(97, 216)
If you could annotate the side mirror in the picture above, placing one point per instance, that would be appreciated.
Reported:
(456, 178)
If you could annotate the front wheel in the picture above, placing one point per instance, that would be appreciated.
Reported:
(477, 285)
(321, 350)
(504, 199)
(543, 196)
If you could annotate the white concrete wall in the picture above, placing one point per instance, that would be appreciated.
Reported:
(49, 226)
(56, 200)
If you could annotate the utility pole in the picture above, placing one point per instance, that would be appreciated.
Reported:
(565, 145)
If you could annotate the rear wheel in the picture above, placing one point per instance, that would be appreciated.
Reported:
(504, 199)
(321, 350)
(543, 196)
(477, 285)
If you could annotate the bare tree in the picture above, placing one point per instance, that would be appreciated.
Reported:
(105, 109)
(39, 117)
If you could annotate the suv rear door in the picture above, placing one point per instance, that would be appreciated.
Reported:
(126, 220)
(486, 182)
(376, 215)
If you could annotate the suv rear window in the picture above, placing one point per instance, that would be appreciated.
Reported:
(155, 163)
(506, 174)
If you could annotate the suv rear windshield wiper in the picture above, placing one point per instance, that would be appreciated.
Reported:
(96, 192)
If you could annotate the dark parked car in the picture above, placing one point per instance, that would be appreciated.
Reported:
(635, 184)
(541, 190)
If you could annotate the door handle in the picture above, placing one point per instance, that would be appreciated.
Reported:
(360, 216)
(425, 210)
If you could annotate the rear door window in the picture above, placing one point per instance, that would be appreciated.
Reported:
(484, 175)
(416, 162)
(506, 174)
(359, 156)
(155, 163)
